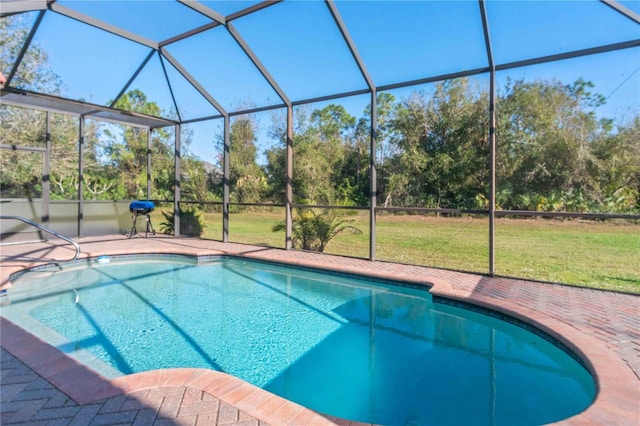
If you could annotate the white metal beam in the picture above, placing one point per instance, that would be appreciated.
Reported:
(11, 7)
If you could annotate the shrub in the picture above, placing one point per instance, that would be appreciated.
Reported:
(313, 231)
(191, 223)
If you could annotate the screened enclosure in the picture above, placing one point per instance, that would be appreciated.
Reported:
(498, 137)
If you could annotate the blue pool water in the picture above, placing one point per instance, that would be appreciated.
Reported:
(354, 348)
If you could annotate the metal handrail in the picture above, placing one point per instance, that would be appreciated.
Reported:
(50, 231)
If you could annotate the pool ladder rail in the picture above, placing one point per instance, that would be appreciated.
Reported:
(49, 231)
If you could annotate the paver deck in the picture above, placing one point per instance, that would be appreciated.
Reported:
(40, 385)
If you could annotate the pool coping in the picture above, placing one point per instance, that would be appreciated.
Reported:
(618, 388)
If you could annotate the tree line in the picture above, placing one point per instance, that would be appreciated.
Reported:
(553, 152)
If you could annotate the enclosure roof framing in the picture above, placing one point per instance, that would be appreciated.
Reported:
(102, 25)
(200, 8)
(247, 50)
(133, 77)
(50, 103)
(12, 7)
(234, 53)
(622, 9)
(569, 55)
(193, 81)
(349, 41)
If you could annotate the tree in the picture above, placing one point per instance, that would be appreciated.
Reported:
(386, 110)
(122, 153)
(328, 150)
(617, 168)
(546, 131)
(440, 148)
(34, 73)
(246, 177)
(194, 183)
(325, 157)
(323, 173)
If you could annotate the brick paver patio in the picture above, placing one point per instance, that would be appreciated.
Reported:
(28, 398)
(39, 385)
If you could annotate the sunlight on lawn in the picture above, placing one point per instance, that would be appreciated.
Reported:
(585, 253)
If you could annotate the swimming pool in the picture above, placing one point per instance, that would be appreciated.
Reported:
(358, 349)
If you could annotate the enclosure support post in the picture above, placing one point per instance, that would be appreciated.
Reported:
(374, 122)
(289, 183)
(492, 174)
(149, 163)
(373, 188)
(46, 172)
(492, 140)
(80, 174)
(226, 172)
(176, 190)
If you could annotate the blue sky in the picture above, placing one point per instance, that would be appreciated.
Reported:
(304, 52)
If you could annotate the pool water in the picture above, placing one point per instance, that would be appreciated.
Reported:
(358, 349)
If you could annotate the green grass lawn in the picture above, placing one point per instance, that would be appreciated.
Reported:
(592, 254)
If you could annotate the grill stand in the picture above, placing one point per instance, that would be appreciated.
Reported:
(135, 213)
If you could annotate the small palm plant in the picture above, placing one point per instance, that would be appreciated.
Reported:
(313, 230)
(191, 223)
